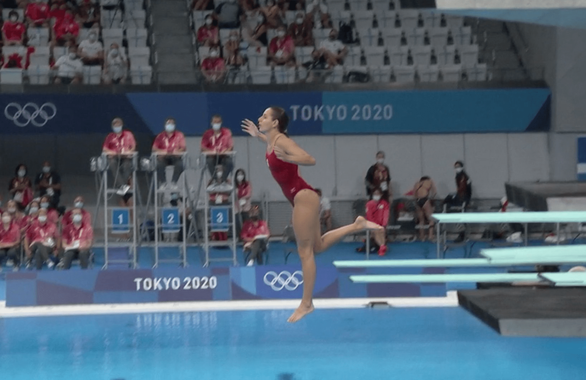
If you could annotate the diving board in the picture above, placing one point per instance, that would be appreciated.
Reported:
(439, 278)
(556, 217)
(566, 279)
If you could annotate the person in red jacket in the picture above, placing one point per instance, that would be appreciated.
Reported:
(255, 234)
(9, 240)
(13, 30)
(282, 49)
(77, 240)
(377, 211)
(41, 240)
(215, 143)
(37, 14)
(208, 34)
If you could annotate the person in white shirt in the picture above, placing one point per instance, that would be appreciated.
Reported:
(69, 68)
(332, 50)
(325, 210)
(116, 67)
(91, 50)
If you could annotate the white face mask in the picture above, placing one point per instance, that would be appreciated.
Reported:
(76, 218)
(376, 198)
(217, 126)
(44, 204)
(117, 129)
(209, 21)
(42, 218)
(33, 210)
(6, 219)
(213, 53)
(380, 160)
(281, 33)
(219, 174)
(169, 127)
(46, 169)
(13, 18)
(92, 37)
(240, 177)
(233, 38)
(78, 204)
(21, 173)
(299, 21)
(11, 210)
(72, 55)
(458, 170)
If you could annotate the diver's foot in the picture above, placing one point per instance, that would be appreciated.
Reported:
(301, 312)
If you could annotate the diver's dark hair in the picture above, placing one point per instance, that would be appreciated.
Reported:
(281, 116)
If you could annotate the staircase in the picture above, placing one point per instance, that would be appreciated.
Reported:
(172, 39)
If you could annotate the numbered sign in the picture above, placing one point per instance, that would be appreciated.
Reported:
(120, 220)
(219, 218)
(170, 220)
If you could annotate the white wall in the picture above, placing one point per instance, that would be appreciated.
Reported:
(342, 161)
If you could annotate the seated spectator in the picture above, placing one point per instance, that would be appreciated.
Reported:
(37, 14)
(88, 14)
(169, 146)
(9, 240)
(377, 211)
(69, 68)
(116, 66)
(13, 30)
(319, 7)
(77, 204)
(65, 30)
(232, 50)
(91, 50)
(20, 187)
(228, 14)
(378, 176)
(244, 195)
(332, 50)
(13, 61)
(325, 210)
(32, 215)
(12, 209)
(255, 235)
(213, 67)
(273, 14)
(463, 192)
(77, 239)
(301, 30)
(215, 142)
(208, 34)
(424, 192)
(120, 147)
(41, 241)
(202, 5)
(254, 28)
(282, 49)
(48, 183)
(52, 214)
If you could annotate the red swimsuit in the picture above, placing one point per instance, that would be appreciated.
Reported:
(287, 176)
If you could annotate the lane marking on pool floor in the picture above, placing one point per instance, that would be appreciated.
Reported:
(451, 300)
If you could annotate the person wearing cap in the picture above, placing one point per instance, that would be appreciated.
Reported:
(169, 146)
(215, 142)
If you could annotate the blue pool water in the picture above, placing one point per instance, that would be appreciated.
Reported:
(422, 343)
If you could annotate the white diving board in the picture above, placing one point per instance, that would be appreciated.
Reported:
(566, 279)
(441, 278)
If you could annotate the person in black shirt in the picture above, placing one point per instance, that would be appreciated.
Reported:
(48, 183)
(463, 192)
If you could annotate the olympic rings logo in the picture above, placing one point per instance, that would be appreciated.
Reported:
(31, 113)
(283, 280)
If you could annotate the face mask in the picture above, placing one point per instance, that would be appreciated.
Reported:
(21, 173)
(240, 178)
(6, 219)
(33, 210)
(299, 21)
(169, 127)
(233, 38)
(46, 169)
(72, 55)
(281, 33)
(114, 52)
(376, 198)
(459, 170)
(44, 204)
(209, 21)
(380, 160)
(117, 129)
(11, 210)
(219, 174)
(217, 126)
(213, 53)
(93, 37)
(42, 218)
(77, 218)
(78, 204)
(13, 18)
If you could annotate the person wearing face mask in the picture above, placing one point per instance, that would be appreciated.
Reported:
(332, 50)
(228, 14)
(116, 66)
(214, 142)
(213, 67)
(41, 241)
(78, 203)
(37, 14)
(208, 34)
(377, 211)
(244, 195)
(48, 182)
(282, 49)
(169, 146)
(52, 214)
(32, 214)
(378, 176)
(232, 50)
(463, 187)
(255, 235)
(91, 50)
(9, 240)
(301, 30)
(13, 30)
(120, 146)
(65, 30)
(88, 13)
(77, 239)
(18, 216)
(20, 187)
(69, 68)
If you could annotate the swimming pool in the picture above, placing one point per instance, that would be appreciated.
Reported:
(397, 343)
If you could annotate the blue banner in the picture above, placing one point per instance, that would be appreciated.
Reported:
(311, 113)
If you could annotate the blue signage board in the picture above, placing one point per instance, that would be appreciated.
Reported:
(219, 218)
(170, 220)
(120, 221)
